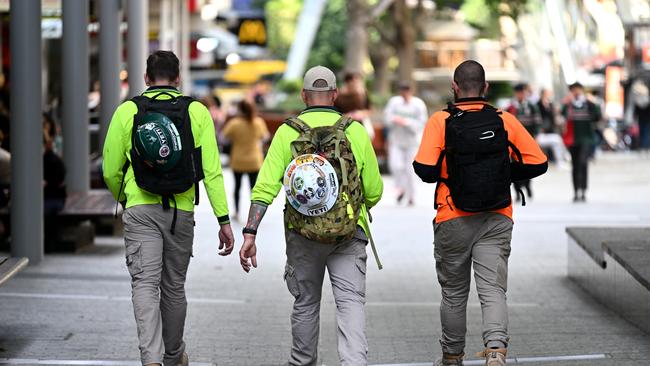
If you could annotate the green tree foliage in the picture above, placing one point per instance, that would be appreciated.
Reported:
(483, 14)
(329, 46)
(281, 20)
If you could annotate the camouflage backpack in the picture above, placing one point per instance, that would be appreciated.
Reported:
(330, 142)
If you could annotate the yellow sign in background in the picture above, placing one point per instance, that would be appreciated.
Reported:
(252, 31)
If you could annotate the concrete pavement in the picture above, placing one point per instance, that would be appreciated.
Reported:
(77, 307)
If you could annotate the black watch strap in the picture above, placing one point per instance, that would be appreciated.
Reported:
(248, 230)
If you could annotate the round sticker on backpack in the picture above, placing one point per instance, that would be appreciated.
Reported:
(311, 184)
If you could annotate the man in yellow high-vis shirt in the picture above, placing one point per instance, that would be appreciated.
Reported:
(307, 259)
(159, 229)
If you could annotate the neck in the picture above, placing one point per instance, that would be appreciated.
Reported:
(461, 95)
(163, 83)
(316, 104)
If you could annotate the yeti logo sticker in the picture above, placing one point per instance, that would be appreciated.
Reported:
(317, 211)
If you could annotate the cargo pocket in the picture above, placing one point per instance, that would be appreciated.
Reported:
(134, 258)
(361, 266)
(291, 280)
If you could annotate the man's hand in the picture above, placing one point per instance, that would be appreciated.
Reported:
(248, 250)
(226, 240)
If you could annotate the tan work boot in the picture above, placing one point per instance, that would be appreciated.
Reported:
(184, 361)
(450, 360)
(493, 356)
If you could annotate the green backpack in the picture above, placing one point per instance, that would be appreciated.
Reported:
(340, 222)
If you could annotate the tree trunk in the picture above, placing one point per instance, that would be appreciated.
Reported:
(379, 56)
(405, 45)
(356, 51)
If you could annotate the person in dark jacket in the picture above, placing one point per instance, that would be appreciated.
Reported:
(581, 117)
(529, 116)
(642, 115)
(54, 189)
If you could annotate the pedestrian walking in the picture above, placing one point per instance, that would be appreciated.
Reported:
(581, 117)
(549, 136)
(528, 114)
(218, 114)
(405, 115)
(158, 147)
(54, 189)
(330, 184)
(353, 100)
(641, 98)
(246, 133)
(474, 151)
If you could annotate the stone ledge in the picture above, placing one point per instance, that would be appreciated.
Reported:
(613, 266)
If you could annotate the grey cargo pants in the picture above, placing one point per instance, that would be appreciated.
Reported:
(157, 262)
(484, 241)
(304, 273)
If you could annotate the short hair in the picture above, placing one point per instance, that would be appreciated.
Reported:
(470, 76)
(312, 94)
(404, 85)
(576, 85)
(351, 75)
(520, 87)
(162, 65)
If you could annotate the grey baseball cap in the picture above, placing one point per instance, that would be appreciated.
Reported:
(319, 78)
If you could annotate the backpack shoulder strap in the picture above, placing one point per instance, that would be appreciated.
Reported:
(297, 124)
(142, 104)
(140, 101)
(344, 122)
(184, 101)
(453, 110)
(489, 107)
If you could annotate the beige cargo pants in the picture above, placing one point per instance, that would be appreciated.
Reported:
(480, 241)
(304, 273)
(157, 262)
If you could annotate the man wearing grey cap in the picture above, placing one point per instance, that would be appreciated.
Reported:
(307, 258)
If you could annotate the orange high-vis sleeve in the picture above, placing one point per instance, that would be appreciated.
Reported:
(433, 140)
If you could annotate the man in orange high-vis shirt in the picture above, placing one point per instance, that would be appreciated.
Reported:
(482, 236)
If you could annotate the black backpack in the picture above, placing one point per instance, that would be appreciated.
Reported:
(188, 171)
(478, 159)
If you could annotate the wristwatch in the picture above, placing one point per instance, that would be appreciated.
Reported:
(248, 230)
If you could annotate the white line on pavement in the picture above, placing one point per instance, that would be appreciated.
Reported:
(27, 361)
(200, 300)
(582, 217)
(425, 304)
(600, 356)
(196, 300)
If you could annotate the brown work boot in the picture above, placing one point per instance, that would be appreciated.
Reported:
(450, 360)
(493, 356)
(185, 360)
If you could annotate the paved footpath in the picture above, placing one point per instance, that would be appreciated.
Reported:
(75, 309)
